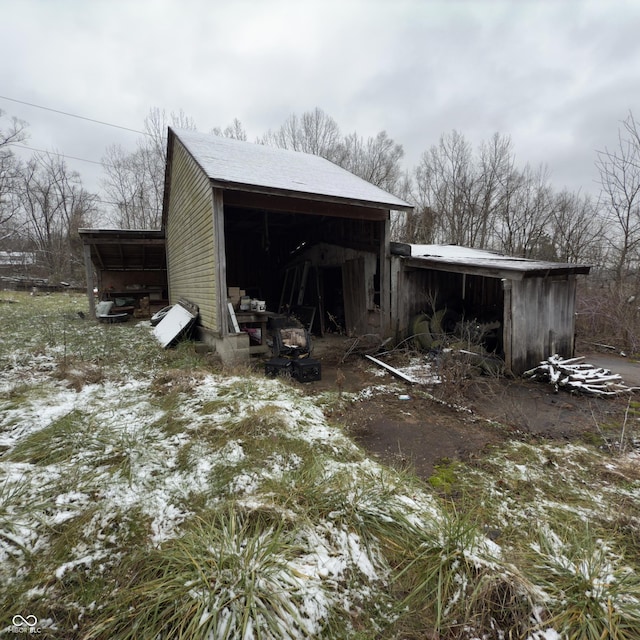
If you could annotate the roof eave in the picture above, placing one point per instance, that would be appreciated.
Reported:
(506, 271)
(304, 195)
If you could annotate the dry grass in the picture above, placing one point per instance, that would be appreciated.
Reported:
(145, 494)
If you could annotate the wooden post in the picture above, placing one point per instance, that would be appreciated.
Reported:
(221, 262)
(385, 278)
(507, 325)
(88, 268)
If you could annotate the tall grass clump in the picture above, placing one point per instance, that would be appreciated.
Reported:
(591, 592)
(227, 577)
(457, 585)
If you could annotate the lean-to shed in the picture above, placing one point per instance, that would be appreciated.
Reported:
(128, 264)
(531, 301)
(289, 228)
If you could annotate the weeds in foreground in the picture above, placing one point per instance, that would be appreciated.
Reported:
(319, 541)
(591, 591)
(454, 580)
(227, 577)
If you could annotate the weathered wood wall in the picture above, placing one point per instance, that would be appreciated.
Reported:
(119, 281)
(425, 290)
(361, 299)
(191, 239)
(537, 313)
(542, 320)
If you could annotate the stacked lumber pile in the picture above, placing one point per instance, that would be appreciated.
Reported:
(579, 377)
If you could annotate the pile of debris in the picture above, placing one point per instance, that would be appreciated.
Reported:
(579, 377)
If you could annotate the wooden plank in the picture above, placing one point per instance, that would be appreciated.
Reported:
(507, 326)
(233, 318)
(257, 198)
(288, 273)
(88, 266)
(303, 282)
(354, 293)
(219, 265)
(319, 293)
(391, 370)
(384, 273)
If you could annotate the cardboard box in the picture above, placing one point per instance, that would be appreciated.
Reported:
(233, 293)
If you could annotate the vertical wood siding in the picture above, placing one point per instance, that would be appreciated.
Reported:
(542, 316)
(422, 290)
(190, 232)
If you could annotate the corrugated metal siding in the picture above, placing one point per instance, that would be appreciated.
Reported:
(190, 235)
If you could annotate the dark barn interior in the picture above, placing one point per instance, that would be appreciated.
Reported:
(467, 298)
(275, 256)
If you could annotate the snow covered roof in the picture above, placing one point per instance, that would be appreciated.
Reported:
(464, 259)
(236, 164)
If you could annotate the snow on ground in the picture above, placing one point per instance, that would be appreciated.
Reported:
(102, 458)
(120, 462)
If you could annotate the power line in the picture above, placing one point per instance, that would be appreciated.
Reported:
(73, 115)
(62, 155)
(94, 197)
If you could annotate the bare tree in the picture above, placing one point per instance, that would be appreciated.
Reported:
(482, 200)
(55, 206)
(376, 160)
(314, 132)
(156, 124)
(522, 224)
(495, 162)
(235, 130)
(620, 195)
(134, 182)
(576, 228)
(444, 178)
(10, 167)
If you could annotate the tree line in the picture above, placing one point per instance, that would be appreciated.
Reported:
(477, 197)
(42, 206)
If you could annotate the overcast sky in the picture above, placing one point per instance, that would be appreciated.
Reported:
(557, 76)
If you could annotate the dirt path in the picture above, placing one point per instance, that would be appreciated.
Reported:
(418, 432)
(629, 369)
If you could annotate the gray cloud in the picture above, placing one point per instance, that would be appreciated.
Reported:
(555, 76)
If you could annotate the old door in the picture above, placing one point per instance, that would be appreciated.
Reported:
(354, 285)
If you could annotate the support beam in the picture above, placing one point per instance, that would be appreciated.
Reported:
(88, 266)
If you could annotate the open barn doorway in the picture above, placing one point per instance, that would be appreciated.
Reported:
(323, 269)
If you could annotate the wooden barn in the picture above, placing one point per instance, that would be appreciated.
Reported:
(290, 229)
(526, 306)
(303, 236)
